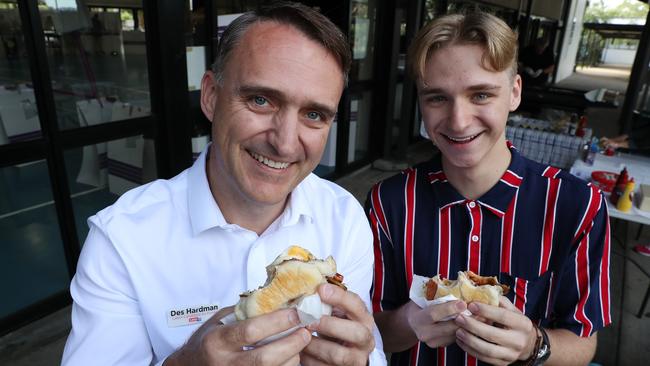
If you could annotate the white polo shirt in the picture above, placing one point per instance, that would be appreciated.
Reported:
(162, 259)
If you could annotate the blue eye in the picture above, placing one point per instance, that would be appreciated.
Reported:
(260, 100)
(436, 99)
(481, 97)
(313, 115)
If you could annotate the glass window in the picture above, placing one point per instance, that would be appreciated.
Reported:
(18, 113)
(432, 10)
(197, 36)
(360, 111)
(8, 5)
(95, 56)
(643, 99)
(362, 38)
(32, 261)
(128, 21)
(397, 110)
(327, 163)
(140, 26)
(98, 174)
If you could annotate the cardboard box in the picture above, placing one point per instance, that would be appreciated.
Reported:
(93, 170)
(119, 164)
(18, 114)
(127, 166)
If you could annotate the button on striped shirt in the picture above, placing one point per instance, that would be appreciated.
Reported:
(540, 230)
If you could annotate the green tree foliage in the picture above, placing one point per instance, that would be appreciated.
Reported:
(598, 12)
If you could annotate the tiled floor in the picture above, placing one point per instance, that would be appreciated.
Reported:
(628, 286)
(32, 252)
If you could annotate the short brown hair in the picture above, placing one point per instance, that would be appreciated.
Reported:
(308, 21)
(475, 28)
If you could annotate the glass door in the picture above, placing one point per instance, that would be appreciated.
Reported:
(361, 99)
(97, 59)
(33, 264)
(79, 126)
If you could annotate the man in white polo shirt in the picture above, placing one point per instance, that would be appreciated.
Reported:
(163, 265)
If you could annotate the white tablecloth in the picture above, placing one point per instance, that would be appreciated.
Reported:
(638, 167)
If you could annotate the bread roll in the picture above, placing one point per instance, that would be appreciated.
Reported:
(468, 287)
(293, 274)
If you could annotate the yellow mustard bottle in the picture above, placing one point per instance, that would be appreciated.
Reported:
(625, 201)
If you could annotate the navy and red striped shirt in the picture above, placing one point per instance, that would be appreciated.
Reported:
(540, 230)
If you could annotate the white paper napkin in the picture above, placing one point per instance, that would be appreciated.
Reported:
(416, 293)
(310, 309)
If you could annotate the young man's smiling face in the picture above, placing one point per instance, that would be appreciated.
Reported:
(465, 106)
(271, 114)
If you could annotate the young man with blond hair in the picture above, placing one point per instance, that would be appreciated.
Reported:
(479, 205)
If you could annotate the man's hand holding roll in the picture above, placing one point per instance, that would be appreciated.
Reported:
(431, 325)
(502, 335)
(346, 337)
(217, 344)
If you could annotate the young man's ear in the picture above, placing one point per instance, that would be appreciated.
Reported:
(515, 97)
(208, 94)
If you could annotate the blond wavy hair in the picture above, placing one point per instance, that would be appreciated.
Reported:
(476, 28)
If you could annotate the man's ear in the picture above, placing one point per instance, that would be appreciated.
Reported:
(208, 94)
(515, 97)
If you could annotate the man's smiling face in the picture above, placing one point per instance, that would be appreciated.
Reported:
(465, 106)
(271, 113)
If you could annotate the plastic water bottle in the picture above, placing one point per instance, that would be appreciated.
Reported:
(592, 150)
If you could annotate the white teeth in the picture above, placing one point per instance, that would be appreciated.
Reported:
(268, 162)
(461, 139)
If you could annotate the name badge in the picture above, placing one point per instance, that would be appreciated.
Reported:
(190, 315)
